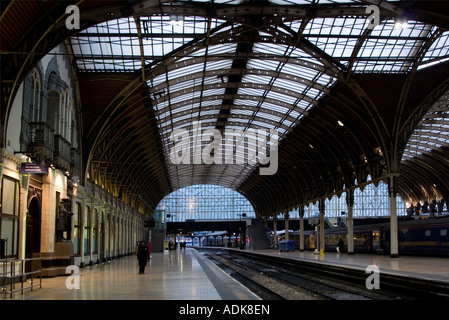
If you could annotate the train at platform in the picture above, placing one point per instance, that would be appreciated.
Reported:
(423, 237)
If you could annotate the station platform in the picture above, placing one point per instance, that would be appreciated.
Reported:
(174, 275)
(424, 268)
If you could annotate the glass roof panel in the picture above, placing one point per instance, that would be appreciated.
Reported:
(119, 39)
(432, 132)
(269, 116)
(305, 2)
(438, 52)
(391, 49)
(270, 85)
(335, 36)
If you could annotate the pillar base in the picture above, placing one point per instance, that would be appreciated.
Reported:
(394, 256)
(351, 253)
(301, 250)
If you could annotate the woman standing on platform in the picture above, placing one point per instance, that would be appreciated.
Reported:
(142, 256)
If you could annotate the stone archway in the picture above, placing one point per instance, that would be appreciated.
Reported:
(33, 229)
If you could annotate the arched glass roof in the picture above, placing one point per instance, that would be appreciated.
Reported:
(205, 202)
(432, 133)
(231, 65)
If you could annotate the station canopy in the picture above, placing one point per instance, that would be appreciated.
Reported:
(347, 97)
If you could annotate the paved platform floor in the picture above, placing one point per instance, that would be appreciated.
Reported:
(432, 268)
(176, 275)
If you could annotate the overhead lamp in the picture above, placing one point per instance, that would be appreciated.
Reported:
(176, 20)
(341, 124)
(401, 24)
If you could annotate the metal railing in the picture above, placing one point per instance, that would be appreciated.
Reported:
(40, 133)
(14, 273)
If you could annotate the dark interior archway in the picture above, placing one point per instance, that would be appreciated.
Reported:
(33, 228)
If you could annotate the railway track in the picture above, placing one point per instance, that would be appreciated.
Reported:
(272, 278)
(274, 282)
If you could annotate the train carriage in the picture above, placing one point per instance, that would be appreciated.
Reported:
(417, 237)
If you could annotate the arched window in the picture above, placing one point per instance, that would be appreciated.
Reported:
(205, 202)
(35, 102)
(65, 118)
(59, 113)
(53, 109)
(68, 119)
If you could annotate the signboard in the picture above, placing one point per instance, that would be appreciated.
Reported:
(33, 168)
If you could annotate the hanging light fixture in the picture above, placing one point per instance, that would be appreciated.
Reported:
(176, 20)
(400, 23)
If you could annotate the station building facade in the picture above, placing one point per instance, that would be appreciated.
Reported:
(49, 207)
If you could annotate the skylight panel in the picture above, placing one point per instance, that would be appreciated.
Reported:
(179, 98)
(246, 102)
(302, 71)
(325, 80)
(119, 40)
(182, 71)
(333, 27)
(270, 48)
(281, 97)
(389, 49)
(183, 85)
(161, 46)
(256, 79)
(290, 85)
(106, 47)
(263, 64)
(287, 123)
(178, 118)
(218, 65)
(218, 49)
(440, 48)
(242, 112)
(308, 2)
(295, 114)
(211, 102)
(382, 66)
(269, 116)
(210, 112)
(438, 52)
(270, 106)
(238, 119)
(250, 91)
(267, 124)
(213, 92)
(431, 133)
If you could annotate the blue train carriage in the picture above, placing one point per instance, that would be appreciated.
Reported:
(309, 238)
(424, 237)
(366, 238)
(419, 237)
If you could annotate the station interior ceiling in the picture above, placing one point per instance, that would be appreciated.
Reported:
(348, 99)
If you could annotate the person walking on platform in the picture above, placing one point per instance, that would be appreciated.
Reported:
(340, 246)
(142, 256)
